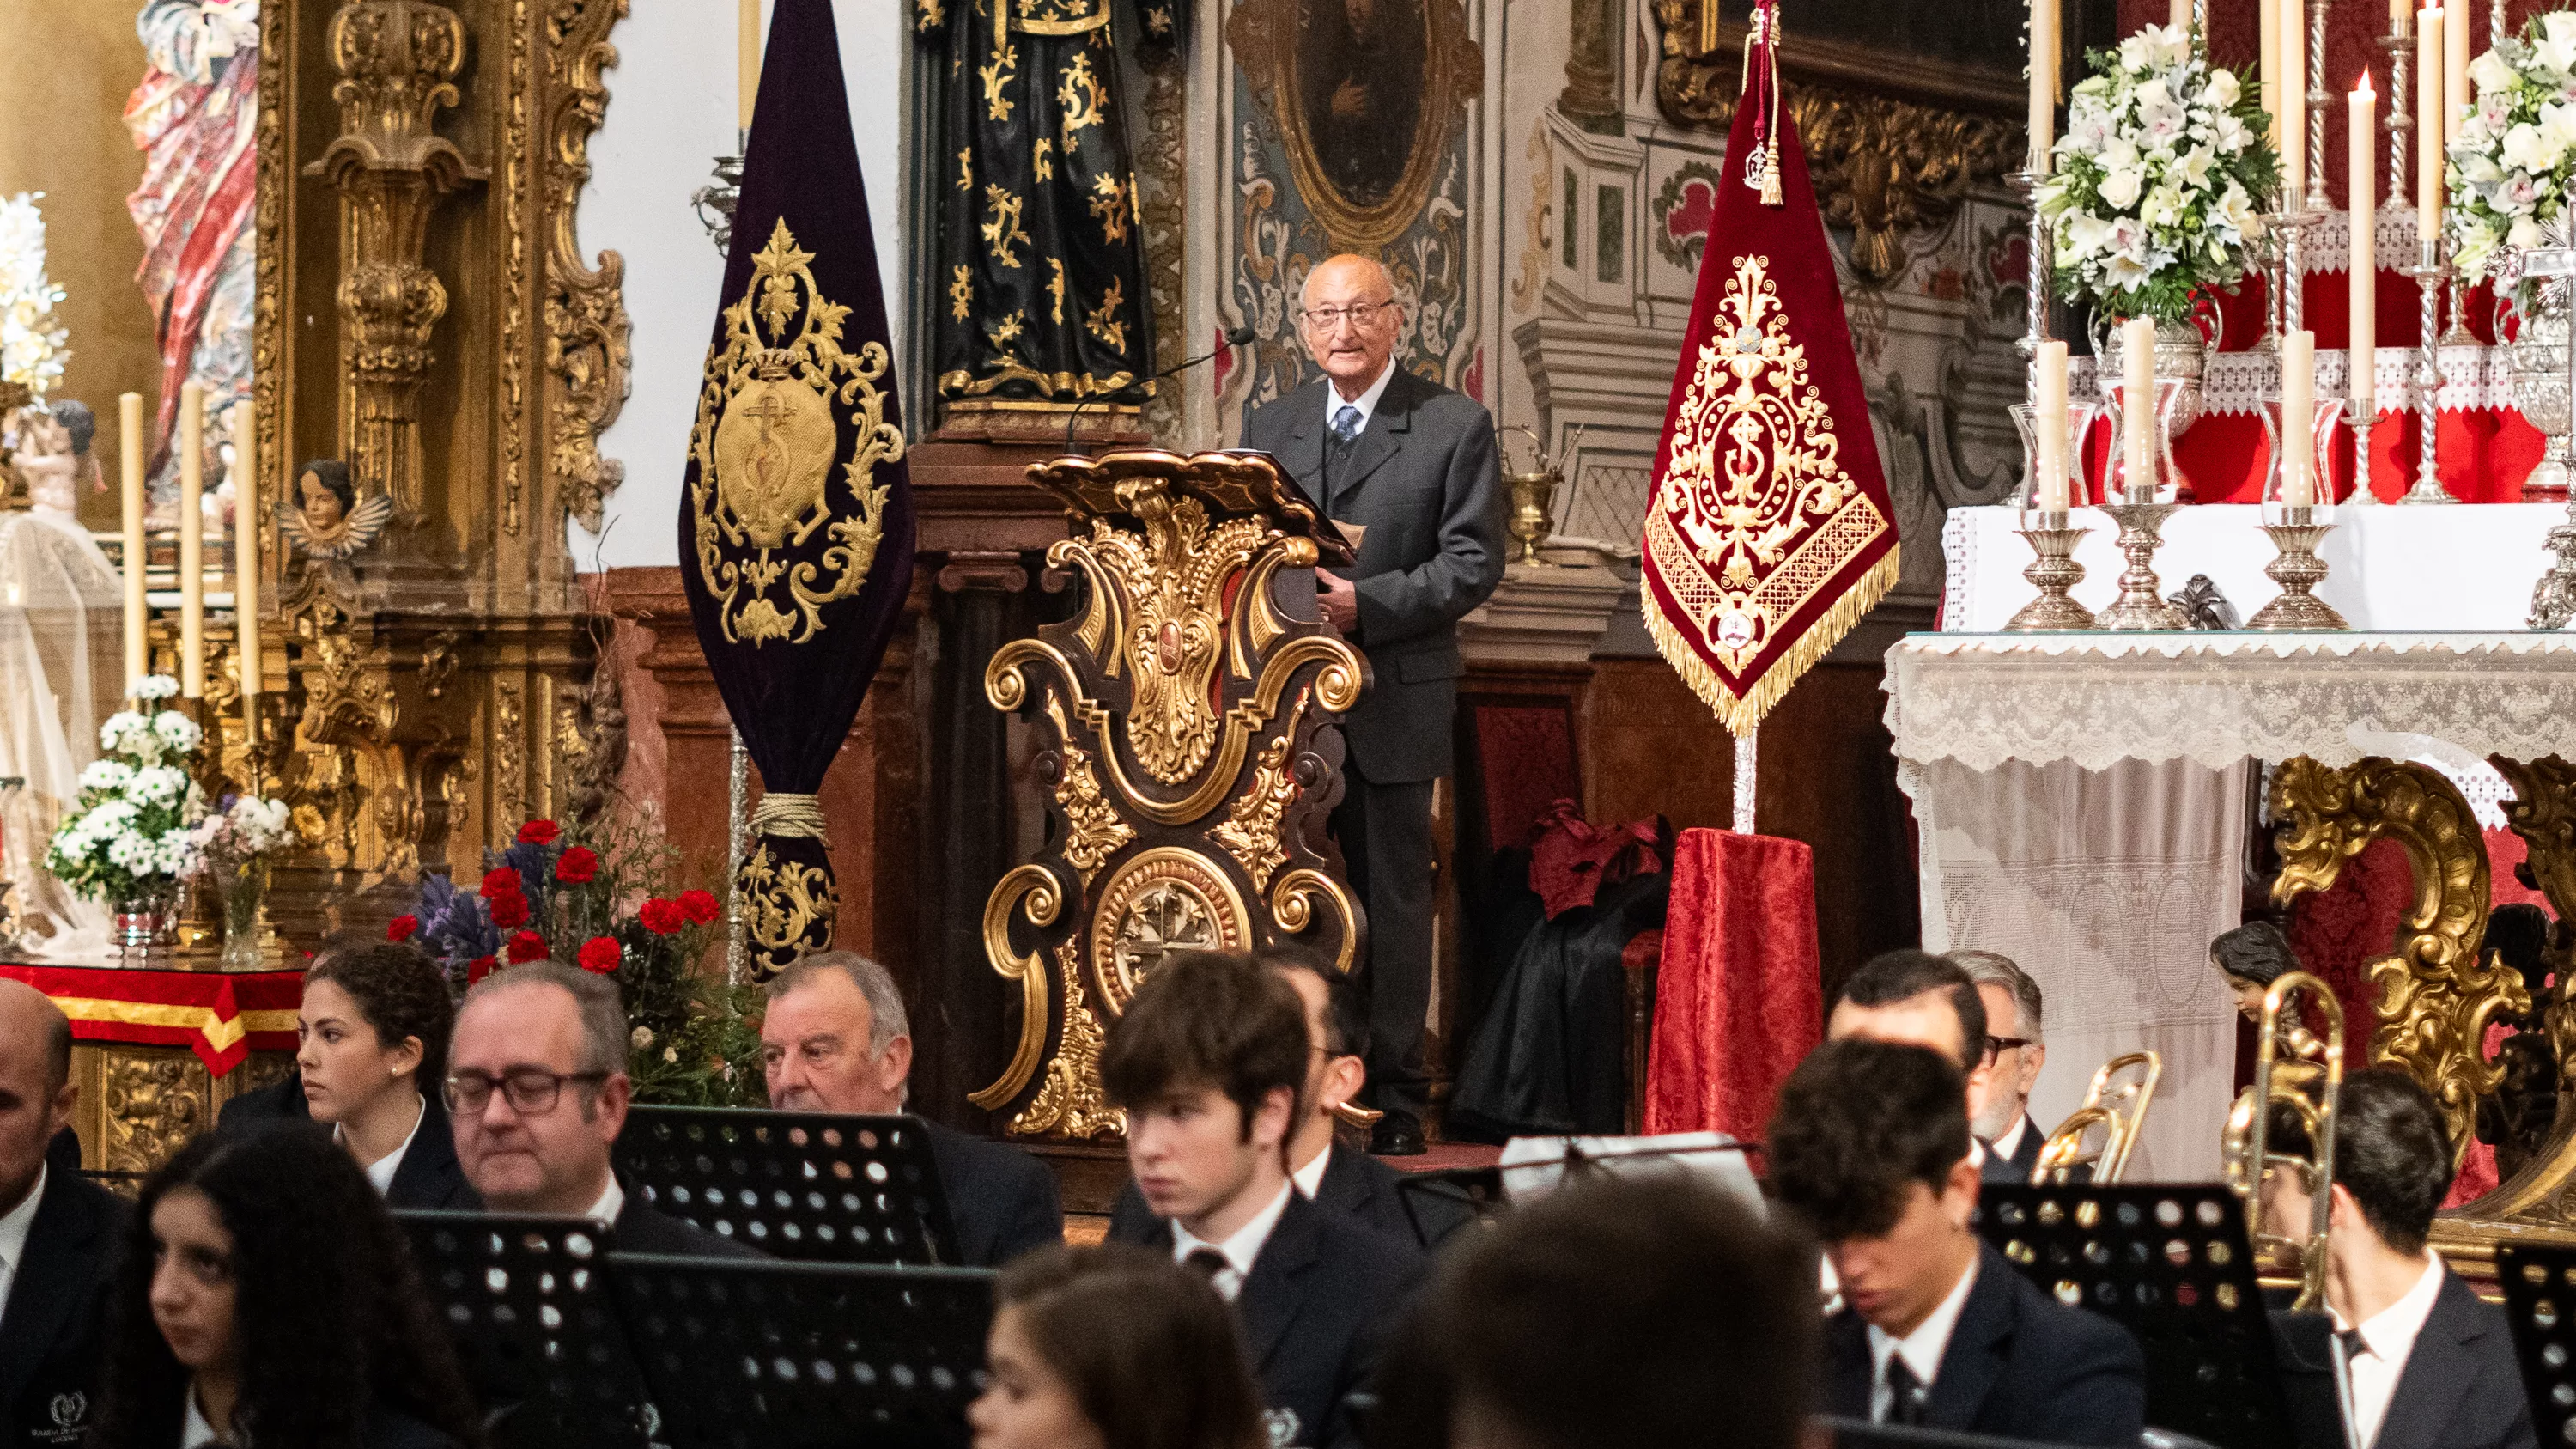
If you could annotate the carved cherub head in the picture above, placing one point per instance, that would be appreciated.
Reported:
(328, 520)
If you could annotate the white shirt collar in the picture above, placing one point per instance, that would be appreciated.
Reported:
(1241, 1250)
(1310, 1178)
(14, 1228)
(2010, 1142)
(612, 1201)
(1366, 402)
(381, 1171)
(2388, 1339)
(196, 1430)
(1923, 1347)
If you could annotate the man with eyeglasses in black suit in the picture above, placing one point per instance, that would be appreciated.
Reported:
(536, 1092)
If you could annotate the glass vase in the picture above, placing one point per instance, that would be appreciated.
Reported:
(244, 889)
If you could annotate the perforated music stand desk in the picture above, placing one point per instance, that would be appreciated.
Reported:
(526, 1298)
(812, 1186)
(770, 1355)
(2172, 1265)
(2540, 1297)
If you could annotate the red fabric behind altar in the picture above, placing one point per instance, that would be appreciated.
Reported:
(2336, 931)
(222, 1017)
(1738, 999)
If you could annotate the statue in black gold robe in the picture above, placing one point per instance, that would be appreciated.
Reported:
(1041, 274)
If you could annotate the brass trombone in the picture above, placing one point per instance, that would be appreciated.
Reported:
(2298, 1073)
(2120, 1111)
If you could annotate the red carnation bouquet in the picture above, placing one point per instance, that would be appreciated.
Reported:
(603, 900)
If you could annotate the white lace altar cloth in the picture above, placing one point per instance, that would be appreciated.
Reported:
(2083, 801)
(61, 649)
(2388, 567)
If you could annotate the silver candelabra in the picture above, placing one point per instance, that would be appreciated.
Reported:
(2428, 273)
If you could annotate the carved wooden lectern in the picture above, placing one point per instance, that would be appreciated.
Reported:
(1193, 752)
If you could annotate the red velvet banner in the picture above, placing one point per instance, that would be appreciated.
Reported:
(222, 1017)
(1738, 1000)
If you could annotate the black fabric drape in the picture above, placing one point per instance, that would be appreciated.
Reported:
(1040, 294)
(1550, 1057)
(796, 522)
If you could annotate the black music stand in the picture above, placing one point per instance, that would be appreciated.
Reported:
(1861, 1434)
(2172, 1265)
(1438, 1201)
(813, 1186)
(769, 1355)
(526, 1298)
(2540, 1297)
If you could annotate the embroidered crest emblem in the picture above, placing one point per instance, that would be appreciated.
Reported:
(770, 545)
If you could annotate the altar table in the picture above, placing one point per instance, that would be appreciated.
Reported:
(2084, 801)
(158, 1052)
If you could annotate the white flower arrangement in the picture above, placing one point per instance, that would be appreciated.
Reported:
(2156, 183)
(2507, 175)
(247, 828)
(132, 834)
(32, 345)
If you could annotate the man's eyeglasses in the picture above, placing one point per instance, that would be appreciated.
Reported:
(1996, 1046)
(529, 1091)
(1330, 319)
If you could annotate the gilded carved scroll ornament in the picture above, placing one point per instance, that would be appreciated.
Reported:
(1187, 709)
(1882, 166)
(2437, 996)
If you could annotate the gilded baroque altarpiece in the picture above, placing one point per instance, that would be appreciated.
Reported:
(426, 312)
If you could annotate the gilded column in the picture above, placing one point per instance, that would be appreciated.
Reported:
(397, 61)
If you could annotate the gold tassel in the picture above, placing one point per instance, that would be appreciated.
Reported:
(1741, 714)
(1771, 173)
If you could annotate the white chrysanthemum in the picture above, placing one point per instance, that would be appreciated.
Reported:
(112, 735)
(158, 785)
(107, 775)
(130, 852)
(155, 687)
(176, 730)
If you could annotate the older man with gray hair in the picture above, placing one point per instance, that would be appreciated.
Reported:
(2013, 1039)
(1410, 470)
(536, 1094)
(835, 1039)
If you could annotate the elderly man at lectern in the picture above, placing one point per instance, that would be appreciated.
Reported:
(1410, 471)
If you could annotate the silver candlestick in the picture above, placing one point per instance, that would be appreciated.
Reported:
(2359, 412)
(2399, 123)
(2319, 98)
(2428, 273)
(2036, 283)
(715, 201)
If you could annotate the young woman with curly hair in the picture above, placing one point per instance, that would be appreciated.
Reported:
(1113, 1347)
(268, 1299)
(371, 1050)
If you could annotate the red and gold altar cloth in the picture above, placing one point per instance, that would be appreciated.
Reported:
(223, 1017)
(1770, 532)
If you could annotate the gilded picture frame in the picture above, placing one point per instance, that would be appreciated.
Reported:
(1330, 74)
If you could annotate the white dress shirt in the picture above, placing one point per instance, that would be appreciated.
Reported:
(612, 1201)
(1238, 1251)
(1922, 1348)
(381, 1171)
(2388, 1336)
(1310, 1178)
(20, 1221)
(196, 1431)
(1366, 402)
(2006, 1145)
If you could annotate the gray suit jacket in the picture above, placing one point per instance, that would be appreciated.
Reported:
(1425, 481)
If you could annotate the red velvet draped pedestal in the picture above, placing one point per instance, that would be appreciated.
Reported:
(1737, 998)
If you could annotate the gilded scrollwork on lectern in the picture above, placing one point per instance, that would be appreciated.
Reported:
(2437, 996)
(1190, 711)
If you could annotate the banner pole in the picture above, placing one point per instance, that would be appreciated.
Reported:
(737, 821)
(1747, 771)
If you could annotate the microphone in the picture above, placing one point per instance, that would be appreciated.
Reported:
(1234, 337)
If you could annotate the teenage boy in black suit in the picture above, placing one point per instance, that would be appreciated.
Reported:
(1338, 1178)
(58, 1237)
(2431, 1365)
(1869, 1144)
(537, 1090)
(835, 1039)
(1209, 1062)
